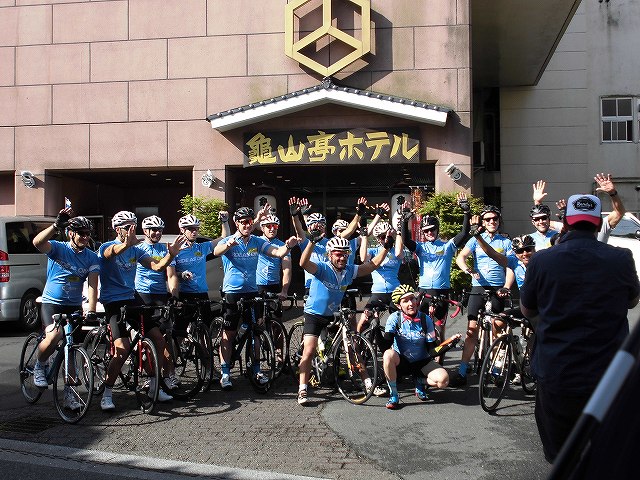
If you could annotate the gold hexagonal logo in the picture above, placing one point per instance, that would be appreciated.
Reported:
(326, 33)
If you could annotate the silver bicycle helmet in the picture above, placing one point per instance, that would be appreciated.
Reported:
(188, 221)
(123, 217)
(339, 225)
(316, 218)
(381, 228)
(152, 222)
(338, 244)
(269, 220)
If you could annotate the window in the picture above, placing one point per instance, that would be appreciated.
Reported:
(618, 115)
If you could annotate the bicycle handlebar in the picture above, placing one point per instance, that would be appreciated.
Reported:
(443, 298)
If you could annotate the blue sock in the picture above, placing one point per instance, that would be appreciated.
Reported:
(224, 368)
(462, 369)
(393, 388)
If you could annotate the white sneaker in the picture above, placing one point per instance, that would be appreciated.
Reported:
(516, 379)
(106, 404)
(379, 391)
(368, 384)
(39, 376)
(302, 397)
(262, 378)
(162, 396)
(225, 381)
(70, 401)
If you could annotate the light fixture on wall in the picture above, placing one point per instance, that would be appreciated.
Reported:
(453, 172)
(28, 179)
(208, 179)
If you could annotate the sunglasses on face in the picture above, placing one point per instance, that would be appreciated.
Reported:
(490, 219)
(245, 221)
(526, 249)
(540, 219)
(155, 229)
(341, 254)
(83, 234)
(272, 225)
(191, 229)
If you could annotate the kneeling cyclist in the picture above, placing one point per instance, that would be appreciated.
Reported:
(414, 347)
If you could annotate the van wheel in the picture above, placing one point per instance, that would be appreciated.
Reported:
(29, 311)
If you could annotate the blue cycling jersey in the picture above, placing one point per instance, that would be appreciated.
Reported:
(318, 255)
(147, 279)
(193, 258)
(410, 340)
(66, 272)
(385, 277)
(327, 288)
(543, 240)
(518, 269)
(268, 271)
(491, 274)
(240, 263)
(434, 259)
(118, 273)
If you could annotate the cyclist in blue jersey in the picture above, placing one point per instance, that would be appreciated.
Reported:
(152, 285)
(268, 276)
(541, 220)
(69, 264)
(118, 262)
(487, 275)
(239, 254)
(329, 282)
(434, 259)
(414, 347)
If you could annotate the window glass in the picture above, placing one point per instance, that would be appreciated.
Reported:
(608, 107)
(19, 237)
(624, 107)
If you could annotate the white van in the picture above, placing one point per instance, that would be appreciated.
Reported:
(23, 270)
(627, 234)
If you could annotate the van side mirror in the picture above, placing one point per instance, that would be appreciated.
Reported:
(638, 234)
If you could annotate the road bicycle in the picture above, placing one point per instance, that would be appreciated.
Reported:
(140, 372)
(252, 349)
(436, 302)
(272, 309)
(507, 353)
(486, 331)
(343, 357)
(69, 370)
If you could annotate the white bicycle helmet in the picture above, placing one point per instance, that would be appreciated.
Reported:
(316, 218)
(269, 220)
(338, 244)
(381, 228)
(339, 225)
(153, 221)
(123, 217)
(188, 221)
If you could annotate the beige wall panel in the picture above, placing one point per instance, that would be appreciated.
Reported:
(30, 201)
(402, 13)
(572, 42)
(303, 80)
(540, 155)
(223, 56)
(439, 87)
(195, 143)
(129, 145)
(464, 90)
(563, 79)
(6, 149)
(25, 25)
(571, 135)
(46, 2)
(266, 56)
(129, 60)
(41, 64)
(25, 105)
(442, 47)
(7, 66)
(543, 117)
(167, 18)
(532, 98)
(90, 22)
(567, 61)
(578, 23)
(90, 103)
(52, 146)
(168, 100)
(226, 93)
(463, 12)
(394, 53)
(7, 3)
(246, 17)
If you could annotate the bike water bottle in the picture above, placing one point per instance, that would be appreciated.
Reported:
(242, 329)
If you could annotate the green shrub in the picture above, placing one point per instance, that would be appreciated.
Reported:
(206, 209)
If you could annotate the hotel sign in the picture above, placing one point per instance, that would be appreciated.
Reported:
(332, 146)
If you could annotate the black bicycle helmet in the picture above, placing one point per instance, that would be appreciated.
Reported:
(428, 222)
(243, 212)
(523, 241)
(77, 224)
(539, 210)
(489, 209)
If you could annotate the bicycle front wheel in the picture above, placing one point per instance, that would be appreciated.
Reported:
(279, 337)
(355, 368)
(146, 377)
(203, 336)
(526, 375)
(73, 384)
(295, 347)
(189, 359)
(260, 361)
(28, 359)
(97, 345)
(494, 376)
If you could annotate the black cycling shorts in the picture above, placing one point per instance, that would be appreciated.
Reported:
(476, 301)
(441, 309)
(419, 368)
(114, 317)
(313, 324)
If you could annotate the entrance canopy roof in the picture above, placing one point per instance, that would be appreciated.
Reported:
(513, 40)
(328, 92)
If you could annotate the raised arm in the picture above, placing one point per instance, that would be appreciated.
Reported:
(314, 236)
(405, 215)
(163, 263)
(463, 202)
(538, 192)
(280, 252)
(41, 240)
(361, 208)
(130, 240)
(605, 184)
(477, 229)
(375, 262)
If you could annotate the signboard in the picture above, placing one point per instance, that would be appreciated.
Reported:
(332, 146)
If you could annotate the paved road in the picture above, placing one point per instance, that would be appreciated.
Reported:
(239, 434)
